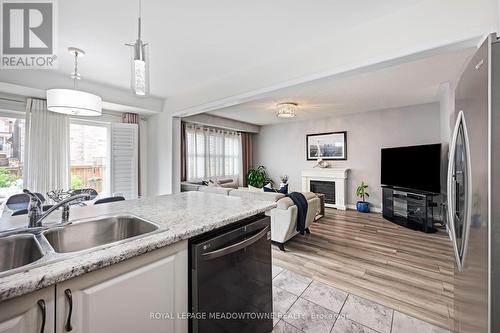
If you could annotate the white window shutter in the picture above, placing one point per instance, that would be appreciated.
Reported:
(124, 160)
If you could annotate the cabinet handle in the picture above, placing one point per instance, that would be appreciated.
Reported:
(69, 296)
(41, 305)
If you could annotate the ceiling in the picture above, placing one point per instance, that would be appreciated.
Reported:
(193, 43)
(408, 83)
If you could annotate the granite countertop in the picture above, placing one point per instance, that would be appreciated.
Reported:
(179, 216)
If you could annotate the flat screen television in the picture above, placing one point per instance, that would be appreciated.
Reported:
(414, 168)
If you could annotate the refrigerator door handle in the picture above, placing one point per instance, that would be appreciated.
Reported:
(452, 183)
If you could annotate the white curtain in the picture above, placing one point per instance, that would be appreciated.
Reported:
(47, 148)
(212, 153)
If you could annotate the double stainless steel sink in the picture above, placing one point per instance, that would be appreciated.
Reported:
(27, 248)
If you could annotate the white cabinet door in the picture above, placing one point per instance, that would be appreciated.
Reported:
(25, 314)
(128, 296)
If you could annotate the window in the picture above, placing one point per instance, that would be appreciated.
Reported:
(89, 145)
(12, 132)
(212, 153)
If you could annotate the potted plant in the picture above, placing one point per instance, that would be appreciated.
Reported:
(362, 206)
(284, 180)
(258, 177)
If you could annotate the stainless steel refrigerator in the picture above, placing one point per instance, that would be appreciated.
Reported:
(472, 192)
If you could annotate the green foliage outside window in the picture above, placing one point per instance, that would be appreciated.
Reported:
(6, 178)
(76, 182)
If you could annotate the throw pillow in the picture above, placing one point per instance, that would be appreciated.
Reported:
(254, 189)
(283, 189)
(213, 183)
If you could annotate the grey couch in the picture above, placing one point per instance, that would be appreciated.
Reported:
(220, 183)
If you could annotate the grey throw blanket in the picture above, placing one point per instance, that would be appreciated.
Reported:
(300, 201)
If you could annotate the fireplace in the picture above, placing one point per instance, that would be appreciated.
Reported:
(330, 181)
(325, 187)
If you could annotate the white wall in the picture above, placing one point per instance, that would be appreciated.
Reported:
(159, 154)
(282, 148)
(163, 169)
(498, 14)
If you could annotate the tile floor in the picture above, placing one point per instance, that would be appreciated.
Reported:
(303, 305)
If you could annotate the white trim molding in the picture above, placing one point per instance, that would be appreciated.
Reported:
(373, 209)
(337, 175)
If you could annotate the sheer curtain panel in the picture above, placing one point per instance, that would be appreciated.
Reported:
(212, 153)
(47, 148)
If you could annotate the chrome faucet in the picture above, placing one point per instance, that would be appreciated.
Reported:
(35, 210)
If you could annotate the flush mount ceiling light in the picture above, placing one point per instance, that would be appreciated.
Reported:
(140, 67)
(286, 110)
(73, 101)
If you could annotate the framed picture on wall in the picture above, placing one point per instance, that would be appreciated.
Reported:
(328, 146)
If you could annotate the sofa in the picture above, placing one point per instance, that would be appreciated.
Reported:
(196, 185)
(283, 217)
(216, 190)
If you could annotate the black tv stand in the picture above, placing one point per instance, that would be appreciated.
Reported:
(409, 208)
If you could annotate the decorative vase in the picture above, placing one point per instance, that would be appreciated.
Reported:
(363, 206)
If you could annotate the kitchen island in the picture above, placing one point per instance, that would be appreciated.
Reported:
(178, 217)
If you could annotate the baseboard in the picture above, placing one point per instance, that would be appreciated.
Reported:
(339, 207)
(372, 209)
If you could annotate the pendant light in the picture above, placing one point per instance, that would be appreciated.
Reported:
(73, 101)
(140, 67)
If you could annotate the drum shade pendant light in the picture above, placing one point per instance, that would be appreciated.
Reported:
(73, 101)
(140, 67)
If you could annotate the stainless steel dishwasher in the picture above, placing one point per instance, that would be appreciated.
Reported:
(230, 279)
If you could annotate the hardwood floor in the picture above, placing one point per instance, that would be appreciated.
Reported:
(368, 256)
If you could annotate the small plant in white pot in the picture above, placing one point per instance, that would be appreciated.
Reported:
(362, 206)
(284, 180)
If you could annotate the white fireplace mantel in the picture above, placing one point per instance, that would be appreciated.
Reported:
(337, 175)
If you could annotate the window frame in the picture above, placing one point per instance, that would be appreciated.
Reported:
(208, 131)
(95, 123)
(6, 113)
